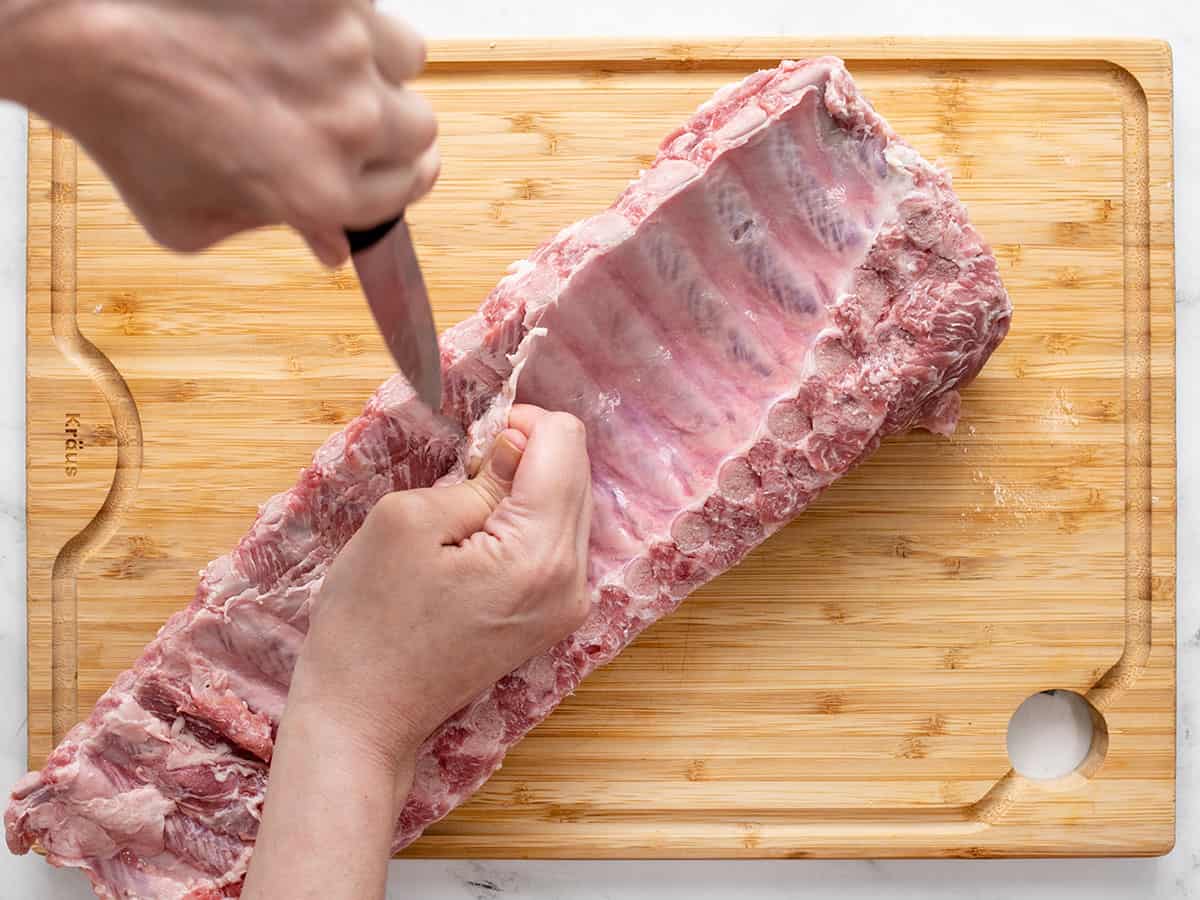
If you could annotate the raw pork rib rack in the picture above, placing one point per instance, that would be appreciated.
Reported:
(787, 284)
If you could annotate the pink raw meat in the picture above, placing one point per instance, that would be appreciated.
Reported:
(786, 285)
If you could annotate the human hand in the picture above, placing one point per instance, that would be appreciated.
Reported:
(444, 590)
(214, 116)
(440, 592)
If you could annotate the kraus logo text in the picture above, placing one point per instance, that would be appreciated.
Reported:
(72, 444)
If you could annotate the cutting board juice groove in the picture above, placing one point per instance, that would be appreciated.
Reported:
(800, 705)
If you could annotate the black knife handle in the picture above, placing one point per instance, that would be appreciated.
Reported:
(369, 237)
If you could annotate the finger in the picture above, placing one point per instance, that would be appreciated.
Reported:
(523, 416)
(383, 194)
(399, 48)
(408, 128)
(331, 248)
(494, 480)
(464, 508)
(553, 483)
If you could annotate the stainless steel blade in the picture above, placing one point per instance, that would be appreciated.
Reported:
(391, 278)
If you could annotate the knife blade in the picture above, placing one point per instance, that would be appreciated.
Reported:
(390, 275)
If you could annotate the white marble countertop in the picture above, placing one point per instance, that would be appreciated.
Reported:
(1174, 876)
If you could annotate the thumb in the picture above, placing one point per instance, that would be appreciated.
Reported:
(467, 505)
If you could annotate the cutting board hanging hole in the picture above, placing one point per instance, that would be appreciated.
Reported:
(1055, 734)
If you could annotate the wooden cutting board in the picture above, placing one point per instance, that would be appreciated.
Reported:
(844, 692)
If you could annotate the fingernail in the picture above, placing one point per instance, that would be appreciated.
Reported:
(506, 454)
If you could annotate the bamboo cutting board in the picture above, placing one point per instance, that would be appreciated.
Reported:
(844, 692)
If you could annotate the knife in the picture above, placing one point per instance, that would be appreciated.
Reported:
(390, 275)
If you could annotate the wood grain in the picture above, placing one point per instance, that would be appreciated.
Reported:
(844, 692)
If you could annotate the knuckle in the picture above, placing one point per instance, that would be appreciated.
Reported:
(489, 492)
(419, 121)
(101, 27)
(427, 173)
(394, 511)
(321, 199)
(428, 124)
(350, 42)
(180, 235)
(359, 120)
(160, 232)
(411, 49)
(432, 167)
(568, 425)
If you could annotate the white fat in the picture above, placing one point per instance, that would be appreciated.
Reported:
(607, 229)
(796, 83)
(520, 267)
(487, 427)
(606, 402)
(901, 156)
(669, 176)
(747, 120)
(135, 813)
(682, 144)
